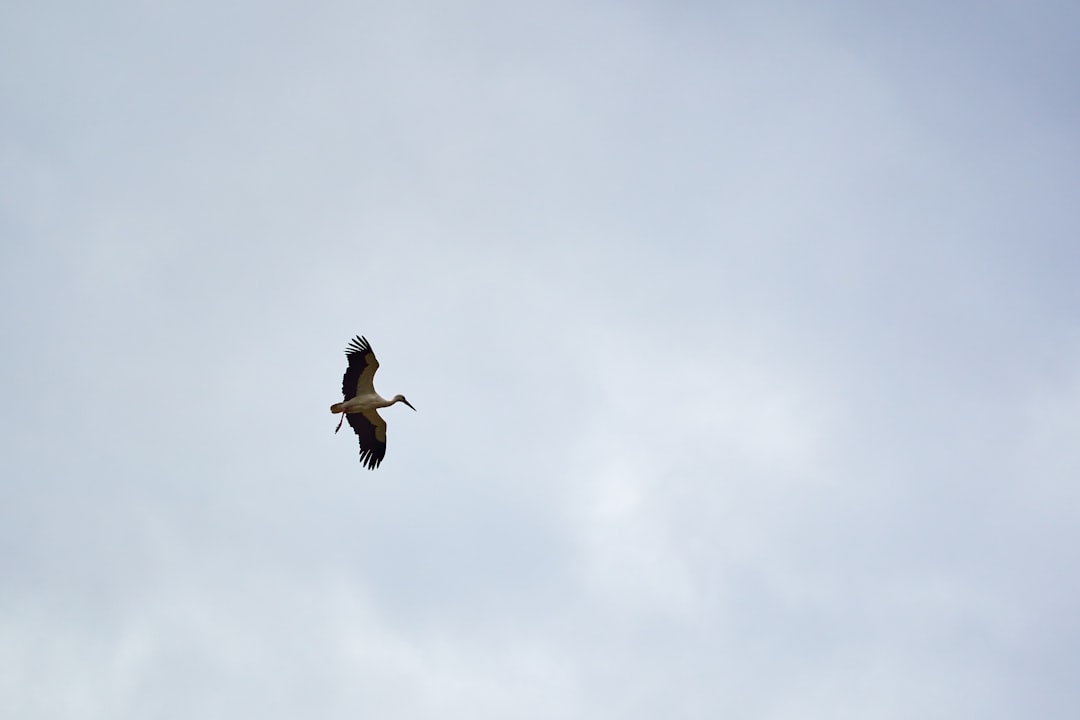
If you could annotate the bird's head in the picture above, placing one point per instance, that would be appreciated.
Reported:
(401, 398)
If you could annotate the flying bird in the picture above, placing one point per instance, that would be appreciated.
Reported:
(362, 403)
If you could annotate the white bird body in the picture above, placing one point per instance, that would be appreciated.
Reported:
(361, 402)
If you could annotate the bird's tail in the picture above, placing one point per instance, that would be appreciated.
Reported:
(337, 407)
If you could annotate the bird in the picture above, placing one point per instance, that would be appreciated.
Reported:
(361, 403)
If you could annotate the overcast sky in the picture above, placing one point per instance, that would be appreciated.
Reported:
(744, 338)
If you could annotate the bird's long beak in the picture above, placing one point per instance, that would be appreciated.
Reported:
(408, 403)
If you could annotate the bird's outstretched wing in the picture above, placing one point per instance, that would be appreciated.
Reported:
(359, 376)
(370, 430)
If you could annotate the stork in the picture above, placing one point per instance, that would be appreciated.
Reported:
(361, 402)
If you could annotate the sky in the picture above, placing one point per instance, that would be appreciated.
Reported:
(744, 338)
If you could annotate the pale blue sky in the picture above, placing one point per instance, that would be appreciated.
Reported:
(744, 338)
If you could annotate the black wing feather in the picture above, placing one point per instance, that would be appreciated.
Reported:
(361, 356)
(372, 449)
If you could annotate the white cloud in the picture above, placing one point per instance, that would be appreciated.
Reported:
(742, 342)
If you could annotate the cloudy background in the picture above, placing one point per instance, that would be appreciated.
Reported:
(745, 339)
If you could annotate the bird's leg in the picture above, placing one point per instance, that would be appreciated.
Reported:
(339, 422)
